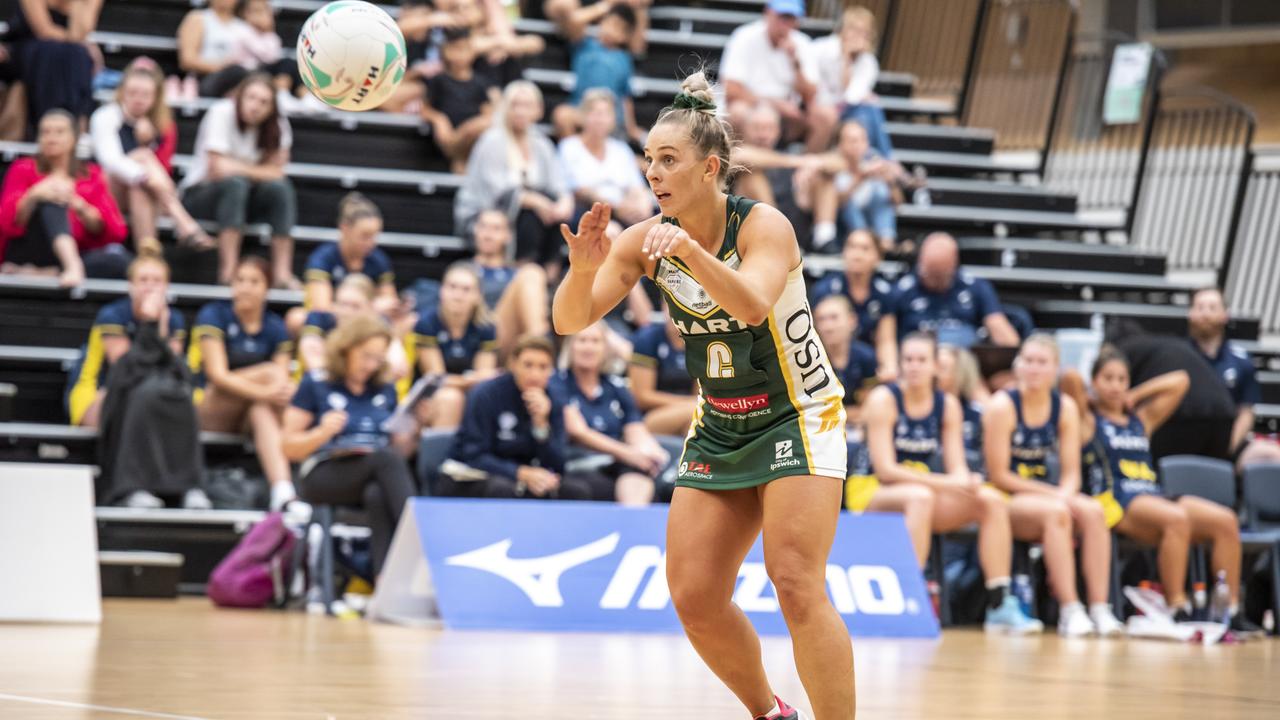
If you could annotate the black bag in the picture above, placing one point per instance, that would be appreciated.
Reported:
(150, 434)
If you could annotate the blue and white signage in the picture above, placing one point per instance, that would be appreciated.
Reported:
(595, 566)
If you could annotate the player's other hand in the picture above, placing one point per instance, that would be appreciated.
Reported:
(589, 247)
(667, 240)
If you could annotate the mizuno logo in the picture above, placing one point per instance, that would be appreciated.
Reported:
(538, 578)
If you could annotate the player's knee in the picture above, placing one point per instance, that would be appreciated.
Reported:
(799, 586)
(919, 501)
(697, 604)
(1178, 524)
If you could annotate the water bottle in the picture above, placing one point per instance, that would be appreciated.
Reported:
(1199, 600)
(921, 196)
(1220, 610)
(1024, 592)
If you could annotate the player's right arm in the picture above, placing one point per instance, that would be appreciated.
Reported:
(601, 272)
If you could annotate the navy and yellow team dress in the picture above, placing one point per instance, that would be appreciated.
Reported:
(917, 443)
(459, 352)
(1118, 465)
(114, 319)
(218, 320)
(325, 264)
(1031, 447)
(769, 405)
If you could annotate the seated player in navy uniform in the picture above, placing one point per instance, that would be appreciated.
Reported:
(940, 297)
(872, 297)
(355, 251)
(1115, 431)
(338, 428)
(659, 379)
(853, 360)
(517, 294)
(513, 434)
(240, 354)
(601, 416)
(456, 340)
(113, 330)
(914, 436)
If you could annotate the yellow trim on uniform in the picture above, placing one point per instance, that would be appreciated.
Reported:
(643, 360)
(405, 384)
(858, 491)
(1111, 509)
(85, 391)
(387, 278)
(316, 275)
(785, 365)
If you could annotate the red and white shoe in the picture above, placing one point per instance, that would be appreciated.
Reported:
(785, 712)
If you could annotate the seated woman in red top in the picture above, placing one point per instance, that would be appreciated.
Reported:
(54, 209)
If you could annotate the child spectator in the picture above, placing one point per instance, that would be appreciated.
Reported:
(240, 356)
(56, 211)
(844, 70)
(513, 432)
(134, 139)
(602, 62)
(857, 188)
(601, 168)
(601, 416)
(209, 47)
(337, 428)
(460, 102)
(112, 334)
(514, 167)
(258, 46)
(456, 340)
(237, 176)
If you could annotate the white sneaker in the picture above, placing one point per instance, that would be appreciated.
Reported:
(195, 499)
(142, 500)
(1105, 622)
(1074, 622)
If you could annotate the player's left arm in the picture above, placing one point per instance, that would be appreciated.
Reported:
(767, 246)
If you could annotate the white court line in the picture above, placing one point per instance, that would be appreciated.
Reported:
(99, 708)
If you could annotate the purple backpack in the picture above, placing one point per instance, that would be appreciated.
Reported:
(257, 571)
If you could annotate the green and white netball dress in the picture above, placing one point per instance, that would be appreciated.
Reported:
(770, 405)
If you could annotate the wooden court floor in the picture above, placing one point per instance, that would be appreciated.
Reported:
(185, 659)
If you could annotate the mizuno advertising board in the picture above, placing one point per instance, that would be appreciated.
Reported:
(536, 565)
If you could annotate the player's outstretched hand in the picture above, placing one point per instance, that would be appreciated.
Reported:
(589, 247)
(667, 240)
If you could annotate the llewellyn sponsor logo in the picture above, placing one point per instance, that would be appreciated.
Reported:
(739, 405)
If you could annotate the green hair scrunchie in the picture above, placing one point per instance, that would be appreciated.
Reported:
(685, 101)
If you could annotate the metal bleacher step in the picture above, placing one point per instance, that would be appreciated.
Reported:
(958, 218)
(975, 192)
(1169, 319)
(710, 20)
(55, 442)
(1059, 255)
(1265, 357)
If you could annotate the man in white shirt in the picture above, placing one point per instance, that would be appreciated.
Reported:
(761, 62)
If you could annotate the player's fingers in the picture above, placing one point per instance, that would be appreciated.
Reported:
(649, 237)
(568, 235)
(606, 214)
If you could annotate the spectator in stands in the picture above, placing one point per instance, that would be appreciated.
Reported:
(259, 48)
(500, 48)
(855, 186)
(1021, 429)
(514, 167)
(601, 168)
(459, 101)
(917, 452)
(761, 61)
(339, 430)
(56, 211)
(237, 176)
(872, 296)
(853, 360)
(209, 47)
(355, 252)
(354, 296)
(603, 62)
(1207, 327)
(844, 70)
(660, 380)
(1115, 427)
(48, 43)
(517, 293)
(513, 434)
(112, 334)
(601, 416)
(776, 177)
(456, 340)
(240, 353)
(941, 297)
(958, 375)
(134, 139)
